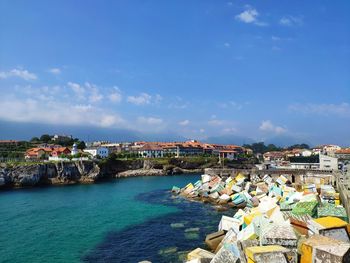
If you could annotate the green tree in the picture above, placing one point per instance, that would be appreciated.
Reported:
(81, 145)
(34, 139)
(112, 156)
(271, 147)
(299, 146)
(45, 138)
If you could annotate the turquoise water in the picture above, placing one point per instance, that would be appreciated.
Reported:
(78, 223)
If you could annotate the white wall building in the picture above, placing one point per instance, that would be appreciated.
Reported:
(103, 152)
(330, 149)
(317, 150)
(151, 151)
(306, 153)
(228, 154)
(74, 149)
(328, 162)
(304, 166)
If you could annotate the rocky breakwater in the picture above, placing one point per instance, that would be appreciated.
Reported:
(156, 168)
(24, 175)
(279, 222)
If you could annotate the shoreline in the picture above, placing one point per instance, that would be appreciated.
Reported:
(24, 175)
(34, 171)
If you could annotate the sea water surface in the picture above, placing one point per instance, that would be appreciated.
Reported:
(124, 220)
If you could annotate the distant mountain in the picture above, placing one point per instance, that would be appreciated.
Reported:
(286, 140)
(25, 131)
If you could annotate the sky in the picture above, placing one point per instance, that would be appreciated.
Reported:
(227, 71)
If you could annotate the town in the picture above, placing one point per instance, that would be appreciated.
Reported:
(66, 148)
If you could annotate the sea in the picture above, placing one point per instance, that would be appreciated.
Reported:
(122, 220)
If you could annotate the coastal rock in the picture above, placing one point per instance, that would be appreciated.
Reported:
(89, 169)
(67, 171)
(110, 168)
(29, 175)
(177, 170)
(4, 178)
(140, 172)
(49, 173)
(61, 173)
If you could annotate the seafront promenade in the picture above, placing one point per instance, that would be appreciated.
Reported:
(279, 215)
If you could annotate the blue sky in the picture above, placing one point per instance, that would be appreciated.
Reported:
(245, 70)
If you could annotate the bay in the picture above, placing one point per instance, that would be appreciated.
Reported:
(124, 220)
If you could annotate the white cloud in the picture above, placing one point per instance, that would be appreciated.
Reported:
(20, 73)
(158, 98)
(88, 91)
(116, 95)
(342, 109)
(83, 108)
(232, 105)
(250, 16)
(178, 104)
(95, 95)
(55, 71)
(229, 130)
(58, 111)
(216, 122)
(149, 120)
(291, 21)
(78, 89)
(184, 122)
(110, 120)
(142, 99)
(268, 126)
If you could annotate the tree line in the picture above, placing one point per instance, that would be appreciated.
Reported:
(260, 147)
(66, 142)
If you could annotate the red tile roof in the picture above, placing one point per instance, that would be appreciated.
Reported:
(151, 147)
(343, 151)
(8, 141)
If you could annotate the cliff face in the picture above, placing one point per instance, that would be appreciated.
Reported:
(50, 173)
(27, 175)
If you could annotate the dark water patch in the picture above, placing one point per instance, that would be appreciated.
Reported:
(163, 239)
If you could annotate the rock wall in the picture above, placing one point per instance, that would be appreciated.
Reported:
(49, 173)
(28, 175)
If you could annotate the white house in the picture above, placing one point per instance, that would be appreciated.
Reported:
(58, 137)
(328, 162)
(228, 154)
(330, 149)
(151, 151)
(103, 152)
(74, 149)
(317, 150)
(306, 153)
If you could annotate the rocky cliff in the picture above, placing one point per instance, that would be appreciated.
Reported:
(49, 173)
(27, 175)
